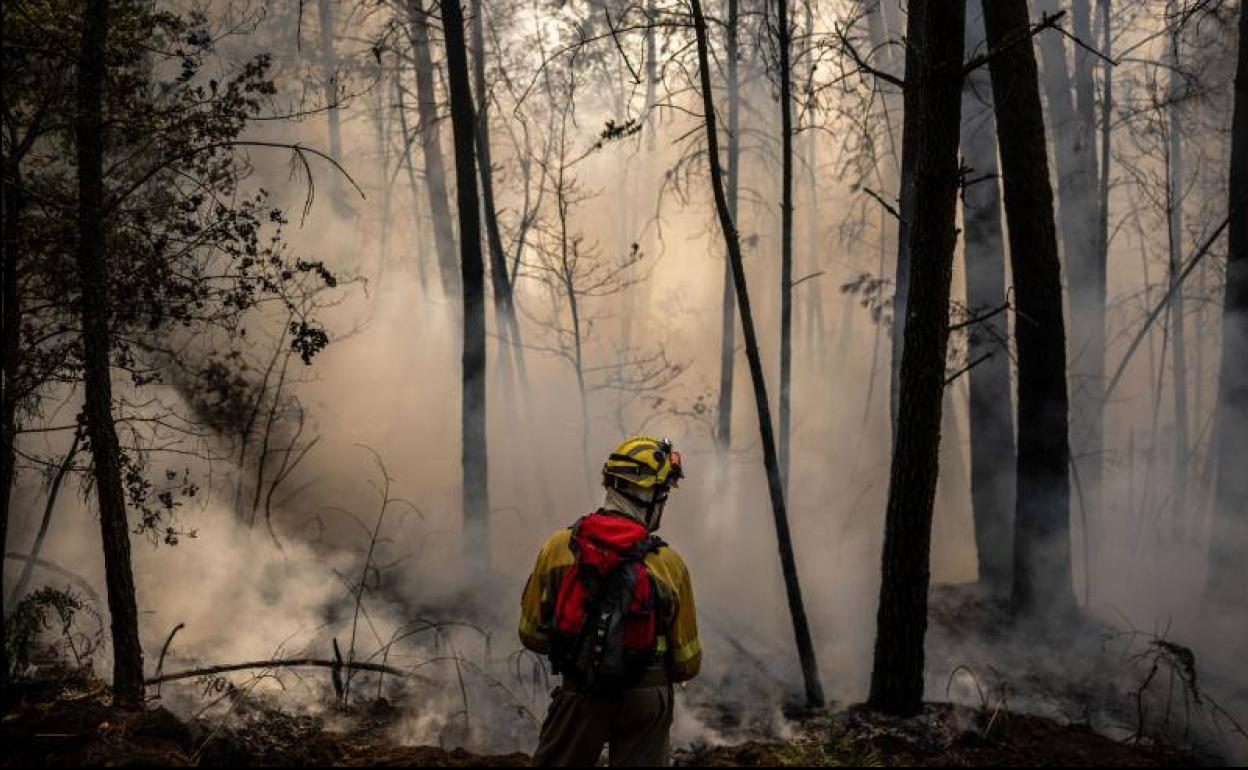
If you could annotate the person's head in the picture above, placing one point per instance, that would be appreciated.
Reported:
(644, 470)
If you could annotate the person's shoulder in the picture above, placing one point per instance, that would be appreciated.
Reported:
(666, 561)
(557, 550)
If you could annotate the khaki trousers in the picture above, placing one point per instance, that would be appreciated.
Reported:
(634, 724)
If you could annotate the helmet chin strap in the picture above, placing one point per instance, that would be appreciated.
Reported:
(654, 513)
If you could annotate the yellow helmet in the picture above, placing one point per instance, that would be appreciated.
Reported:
(644, 462)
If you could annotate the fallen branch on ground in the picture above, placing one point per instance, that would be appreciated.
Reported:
(288, 663)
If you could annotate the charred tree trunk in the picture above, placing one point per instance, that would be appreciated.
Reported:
(728, 318)
(933, 104)
(472, 273)
(991, 415)
(431, 146)
(905, 220)
(1228, 570)
(784, 34)
(1042, 511)
(93, 276)
(788, 563)
(1073, 121)
(11, 342)
(504, 310)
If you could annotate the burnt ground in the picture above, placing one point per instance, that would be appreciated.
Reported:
(71, 721)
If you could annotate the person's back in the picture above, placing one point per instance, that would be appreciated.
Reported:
(612, 605)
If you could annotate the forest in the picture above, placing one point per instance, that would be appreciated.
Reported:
(320, 316)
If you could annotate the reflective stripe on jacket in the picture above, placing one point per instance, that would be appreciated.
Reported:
(679, 641)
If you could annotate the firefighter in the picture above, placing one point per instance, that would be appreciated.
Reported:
(612, 606)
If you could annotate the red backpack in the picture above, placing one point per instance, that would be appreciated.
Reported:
(605, 624)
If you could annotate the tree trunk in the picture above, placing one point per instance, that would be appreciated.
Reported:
(1228, 569)
(431, 146)
(409, 167)
(885, 30)
(504, 310)
(472, 273)
(991, 407)
(1042, 512)
(814, 293)
(1074, 140)
(1107, 107)
(784, 34)
(788, 563)
(93, 276)
(728, 318)
(933, 104)
(905, 220)
(1178, 336)
(329, 86)
(652, 73)
(11, 341)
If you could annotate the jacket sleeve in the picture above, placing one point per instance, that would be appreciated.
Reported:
(538, 590)
(532, 635)
(684, 648)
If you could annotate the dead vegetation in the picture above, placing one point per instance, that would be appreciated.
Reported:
(944, 735)
(71, 720)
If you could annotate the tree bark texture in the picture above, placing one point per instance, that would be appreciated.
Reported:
(93, 275)
(11, 318)
(783, 42)
(431, 148)
(905, 223)
(933, 104)
(1042, 512)
(472, 274)
(991, 399)
(1072, 119)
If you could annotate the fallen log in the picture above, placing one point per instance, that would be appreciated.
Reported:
(281, 663)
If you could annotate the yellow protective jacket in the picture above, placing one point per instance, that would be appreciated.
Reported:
(678, 640)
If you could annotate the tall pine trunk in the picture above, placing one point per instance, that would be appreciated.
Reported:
(504, 309)
(329, 87)
(10, 344)
(413, 185)
(472, 273)
(93, 278)
(1228, 569)
(1072, 118)
(933, 104)
(1042, 509)
(905, 221)
(991, 407)
(1178, 331)
(783, 35)
(788, 562)
(728, 315)
(431, 147)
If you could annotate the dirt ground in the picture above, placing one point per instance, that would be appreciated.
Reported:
(72, 722)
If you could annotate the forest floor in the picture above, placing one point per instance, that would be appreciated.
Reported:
(71, 721)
